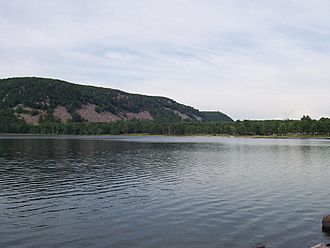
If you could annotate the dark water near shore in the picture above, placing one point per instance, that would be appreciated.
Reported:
(162, 192)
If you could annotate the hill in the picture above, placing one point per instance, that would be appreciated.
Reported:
(36, 100)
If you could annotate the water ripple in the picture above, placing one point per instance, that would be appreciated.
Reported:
(162, 192)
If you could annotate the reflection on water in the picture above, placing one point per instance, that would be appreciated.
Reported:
(162, 192)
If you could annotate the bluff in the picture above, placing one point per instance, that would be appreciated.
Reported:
(34, 100)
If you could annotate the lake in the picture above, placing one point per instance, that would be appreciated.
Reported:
(127, 191)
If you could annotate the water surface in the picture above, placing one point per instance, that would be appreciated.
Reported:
(121, 191)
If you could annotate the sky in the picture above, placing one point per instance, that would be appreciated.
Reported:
(252, 59)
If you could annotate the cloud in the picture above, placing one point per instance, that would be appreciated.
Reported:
(250, 59)
(119, 56)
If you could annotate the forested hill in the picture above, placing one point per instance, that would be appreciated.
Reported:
(36, 100)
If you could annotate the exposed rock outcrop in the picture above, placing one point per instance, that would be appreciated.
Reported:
(178, 113)
(29, 115)
(60, 113)
(89, 113)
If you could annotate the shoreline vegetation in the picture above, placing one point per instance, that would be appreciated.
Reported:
(321, 137)
(284, 129)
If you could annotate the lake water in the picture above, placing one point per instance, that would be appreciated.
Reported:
(162, 192)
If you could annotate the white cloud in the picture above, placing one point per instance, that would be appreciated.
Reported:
(250, 59)
(119, 56)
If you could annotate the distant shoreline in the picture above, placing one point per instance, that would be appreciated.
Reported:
(162, 135)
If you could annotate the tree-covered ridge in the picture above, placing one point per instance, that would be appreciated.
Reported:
(46, 94)
(215, 116)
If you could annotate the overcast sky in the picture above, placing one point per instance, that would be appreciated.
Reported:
(252, 59)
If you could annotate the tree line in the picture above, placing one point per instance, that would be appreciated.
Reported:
(304, 126)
